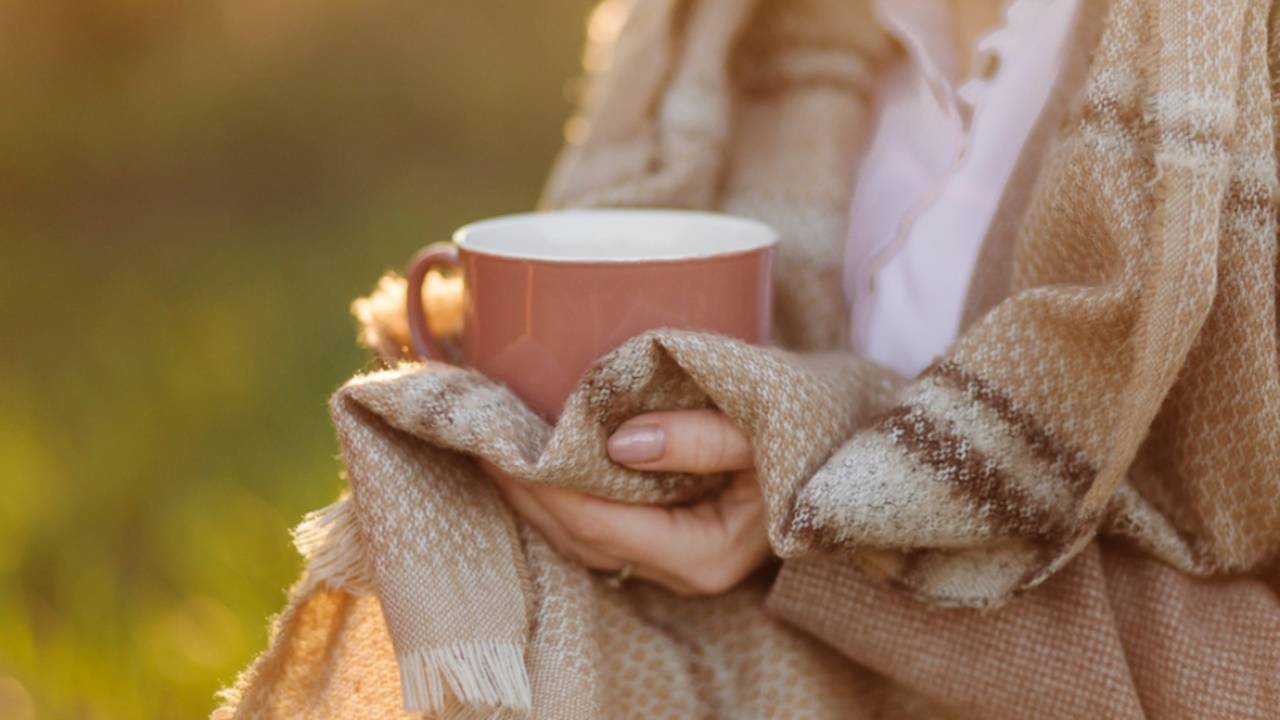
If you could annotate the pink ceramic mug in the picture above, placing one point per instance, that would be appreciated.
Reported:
(546, 294)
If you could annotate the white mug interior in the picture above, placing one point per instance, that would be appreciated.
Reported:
(615, 235)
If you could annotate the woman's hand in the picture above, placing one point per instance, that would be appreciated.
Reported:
(704, 548)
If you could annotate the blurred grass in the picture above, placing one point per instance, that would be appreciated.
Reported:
(190, 196)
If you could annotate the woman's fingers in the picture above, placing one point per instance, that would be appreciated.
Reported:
(538, 507)
(525, 502)
(740, 511)
(704, 548)
(693, 441)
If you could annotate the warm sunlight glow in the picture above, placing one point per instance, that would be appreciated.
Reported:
(443, 298)
(605, 23)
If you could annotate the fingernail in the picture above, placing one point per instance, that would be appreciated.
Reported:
(638, 444)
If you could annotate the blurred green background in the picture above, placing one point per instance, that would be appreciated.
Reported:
(191, 194)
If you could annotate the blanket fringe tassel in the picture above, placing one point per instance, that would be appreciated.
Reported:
(329, 538)
(490, 674)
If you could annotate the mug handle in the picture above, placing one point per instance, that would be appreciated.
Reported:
(442, 254)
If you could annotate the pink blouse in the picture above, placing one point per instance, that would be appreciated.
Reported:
(936, 164)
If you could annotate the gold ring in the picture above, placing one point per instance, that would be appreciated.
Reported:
(616, 580)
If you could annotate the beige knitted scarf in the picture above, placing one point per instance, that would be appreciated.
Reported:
(1120, 377)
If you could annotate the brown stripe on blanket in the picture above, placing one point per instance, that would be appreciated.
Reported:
(1122, 113)
(1077, 473)
(1109, 111)
(1248, 198)
(971, 474)
(802, 530)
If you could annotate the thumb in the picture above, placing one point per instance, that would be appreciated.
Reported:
(692, 441)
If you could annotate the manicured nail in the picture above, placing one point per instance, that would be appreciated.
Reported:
(637, 444)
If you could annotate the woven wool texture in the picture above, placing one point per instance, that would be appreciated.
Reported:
(1121, 379)
(1115, 634)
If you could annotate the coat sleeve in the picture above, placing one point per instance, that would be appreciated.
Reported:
(1115, 634)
